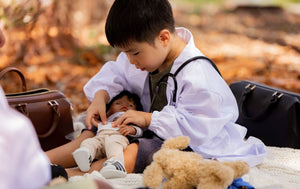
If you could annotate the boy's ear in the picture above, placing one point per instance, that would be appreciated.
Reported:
(164, 37)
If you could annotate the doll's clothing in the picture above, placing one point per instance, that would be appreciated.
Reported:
(107, 143)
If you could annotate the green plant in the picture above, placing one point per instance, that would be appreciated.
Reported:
(19, 13)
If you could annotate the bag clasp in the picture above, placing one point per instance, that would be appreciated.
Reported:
(22, 108)
(276, 95)
(249, 88)
(54, 105)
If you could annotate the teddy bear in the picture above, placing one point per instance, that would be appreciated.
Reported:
(184, 170)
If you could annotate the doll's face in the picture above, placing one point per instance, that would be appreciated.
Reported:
(121, 105)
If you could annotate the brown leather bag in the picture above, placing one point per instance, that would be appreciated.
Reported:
(48, 110)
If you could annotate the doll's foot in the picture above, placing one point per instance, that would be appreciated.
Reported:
(83, 159)
(113, 168)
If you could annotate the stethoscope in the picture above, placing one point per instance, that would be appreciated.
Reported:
(173, 76)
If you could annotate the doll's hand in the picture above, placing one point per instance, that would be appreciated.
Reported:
(127, 130)
(142, 119)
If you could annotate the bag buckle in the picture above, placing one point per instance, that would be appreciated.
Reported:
(54, 104)
(22, 108)
(250, 87)
(276, 95)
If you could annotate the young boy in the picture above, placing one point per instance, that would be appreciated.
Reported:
(110, 142)
(204, 108)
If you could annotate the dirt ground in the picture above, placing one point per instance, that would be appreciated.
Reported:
(254, 43)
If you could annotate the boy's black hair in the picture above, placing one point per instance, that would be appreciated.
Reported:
(131, 96)
(138, 20)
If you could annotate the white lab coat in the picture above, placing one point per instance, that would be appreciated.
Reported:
(205, 108)
(23, 164)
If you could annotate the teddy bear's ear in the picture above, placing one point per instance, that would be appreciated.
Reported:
(153, 175)
(179, 142)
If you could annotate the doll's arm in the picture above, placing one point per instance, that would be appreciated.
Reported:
(130, 130)
(139, 132)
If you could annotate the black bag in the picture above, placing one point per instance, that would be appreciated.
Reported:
(270, 114)
(48, 110)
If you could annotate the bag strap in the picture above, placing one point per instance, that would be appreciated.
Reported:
(195, 58)
(56, 115)
(186, 63)
(13, 69)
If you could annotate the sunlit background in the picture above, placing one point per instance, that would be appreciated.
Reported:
(62, 44)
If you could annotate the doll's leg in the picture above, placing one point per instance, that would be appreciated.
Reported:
(86, 153)
(130, 155)
(114, 146)
(95, 145)
(62, 155)
(89, 149)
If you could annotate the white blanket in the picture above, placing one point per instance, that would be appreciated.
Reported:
(281, 169)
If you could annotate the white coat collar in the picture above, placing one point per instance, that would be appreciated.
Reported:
(190, 49)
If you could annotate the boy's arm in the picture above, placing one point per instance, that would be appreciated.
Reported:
(112, 77)
(96, 109)
(142, 119)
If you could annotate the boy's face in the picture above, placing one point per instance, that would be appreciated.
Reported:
(146, 56)
(121, 105)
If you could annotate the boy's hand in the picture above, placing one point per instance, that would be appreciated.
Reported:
(142, 119)
(97, 109)
(127, 130)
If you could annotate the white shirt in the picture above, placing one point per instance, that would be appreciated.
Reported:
(23, 164)
(205, 108)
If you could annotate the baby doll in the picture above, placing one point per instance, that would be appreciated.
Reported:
(110, 141)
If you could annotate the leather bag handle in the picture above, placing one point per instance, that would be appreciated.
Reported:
(271, 101)
(13, 69)
(56, 114)
(22, 106)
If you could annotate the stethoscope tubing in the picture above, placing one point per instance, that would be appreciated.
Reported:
(173, 76)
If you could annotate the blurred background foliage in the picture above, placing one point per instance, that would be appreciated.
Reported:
(61, 44)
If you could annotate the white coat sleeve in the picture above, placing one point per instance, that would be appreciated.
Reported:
(110, 78)
(116, 76)
(23, 162)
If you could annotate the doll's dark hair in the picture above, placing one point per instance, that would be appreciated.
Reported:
(131, 96)
(138, 20)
